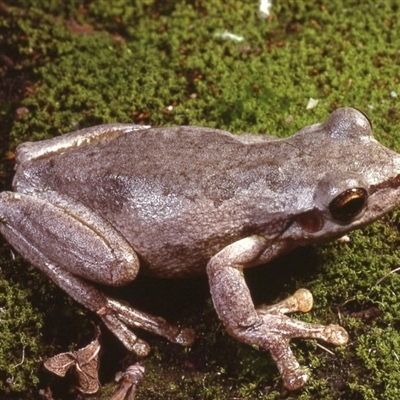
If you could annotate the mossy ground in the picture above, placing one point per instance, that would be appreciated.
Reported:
(76, 64)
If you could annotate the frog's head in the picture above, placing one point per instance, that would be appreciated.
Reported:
(356, 180)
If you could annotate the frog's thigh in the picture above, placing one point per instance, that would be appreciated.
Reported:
(268, 328)
(69, 235)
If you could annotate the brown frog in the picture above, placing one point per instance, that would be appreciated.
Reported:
(103, 203)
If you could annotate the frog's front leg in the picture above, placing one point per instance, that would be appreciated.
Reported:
(266, 327)
(68, 242)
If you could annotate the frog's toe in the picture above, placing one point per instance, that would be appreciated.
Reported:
(303, 301)
(300, 301)
(141, 348)
(186, 337)
(125, 335)
(118, 317)
(336, 335)
(296, 379)
(293, 375)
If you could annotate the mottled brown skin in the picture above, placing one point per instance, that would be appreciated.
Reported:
(89, 205)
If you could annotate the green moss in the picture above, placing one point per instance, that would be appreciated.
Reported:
(74, 64)
(20, 337)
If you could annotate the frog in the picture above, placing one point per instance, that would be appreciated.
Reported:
(97, 206)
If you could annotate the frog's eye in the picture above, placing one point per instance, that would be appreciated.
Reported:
(348, 204)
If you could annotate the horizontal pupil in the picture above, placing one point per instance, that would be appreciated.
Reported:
(353, 206)
(348, 204)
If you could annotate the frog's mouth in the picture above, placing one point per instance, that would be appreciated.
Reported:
(383, 198)
(392, 184)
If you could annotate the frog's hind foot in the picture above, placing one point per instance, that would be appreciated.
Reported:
(117, 317)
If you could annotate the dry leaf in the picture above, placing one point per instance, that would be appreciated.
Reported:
(85, 362)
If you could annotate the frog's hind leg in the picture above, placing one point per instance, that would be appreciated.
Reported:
(68, 235)
(118, 317)
(70, 243)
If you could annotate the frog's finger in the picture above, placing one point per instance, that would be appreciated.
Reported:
(126, 336)
(288, 328)
(301, 300)
(294, 377)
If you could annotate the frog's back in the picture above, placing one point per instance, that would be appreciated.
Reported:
(176, 194)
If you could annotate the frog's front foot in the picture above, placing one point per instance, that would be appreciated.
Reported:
(275, 330)
(118, 317)
(267, 326)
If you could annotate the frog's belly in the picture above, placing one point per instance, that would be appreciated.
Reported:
(177, 248)
(180, 256)
(173, 261)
